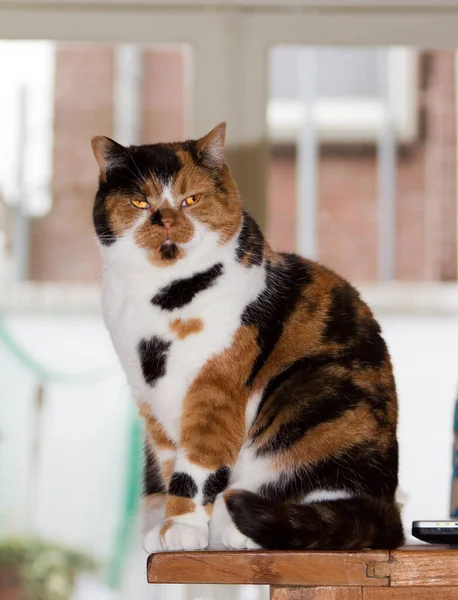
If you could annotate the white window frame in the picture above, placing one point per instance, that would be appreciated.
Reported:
(33, 73)
(355, 120)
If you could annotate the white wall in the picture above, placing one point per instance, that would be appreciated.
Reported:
(27, 67)
(84, 432)
(425, 356)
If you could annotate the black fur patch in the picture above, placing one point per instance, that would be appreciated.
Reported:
(360, 336)
(342, 320)
(274, 304)
(136, 163)
(168, 251)
(250, 243)
(183, 485)
(361, 469)
(101, 222)
(323, 408)
(191, 147)
(153, 358)
(351, 524)
(181, 292)
(369, 347)
(152, 478)
(215, 484)
(156, 218)
(159, 160)
(305, 367)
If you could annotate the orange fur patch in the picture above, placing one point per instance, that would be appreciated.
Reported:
(329, 439)
(221, 212)
(167, 467)
(155, 430)
(122, 213)
(213, 421)
(302, 332)
(167, 525)
(176, 506)
(184, 328)
(150, 237)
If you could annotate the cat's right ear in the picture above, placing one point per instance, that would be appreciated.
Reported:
(108, 154)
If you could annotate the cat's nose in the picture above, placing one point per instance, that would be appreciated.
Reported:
(168, 222)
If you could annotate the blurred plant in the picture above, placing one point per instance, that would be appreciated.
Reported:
(41, 571)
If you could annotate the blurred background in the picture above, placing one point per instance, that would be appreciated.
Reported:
(345, 151)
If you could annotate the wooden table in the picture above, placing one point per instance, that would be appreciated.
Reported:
(412, 572)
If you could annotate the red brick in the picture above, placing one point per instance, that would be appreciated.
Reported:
(63, 244)
(164, 95)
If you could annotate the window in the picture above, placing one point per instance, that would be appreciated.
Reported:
(346, 96)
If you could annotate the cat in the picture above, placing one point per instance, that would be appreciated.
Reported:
(267, 390)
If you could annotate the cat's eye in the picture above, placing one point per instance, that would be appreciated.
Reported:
(190, 201)
(140, 203)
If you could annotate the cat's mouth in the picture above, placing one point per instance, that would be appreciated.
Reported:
(168, 250)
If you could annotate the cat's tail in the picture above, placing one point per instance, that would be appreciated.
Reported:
(349, 524)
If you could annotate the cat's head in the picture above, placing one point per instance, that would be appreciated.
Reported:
(167, 197)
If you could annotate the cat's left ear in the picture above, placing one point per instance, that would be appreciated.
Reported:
(108, 154)
(211, 147)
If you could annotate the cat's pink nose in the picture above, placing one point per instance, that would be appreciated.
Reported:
(168, 222)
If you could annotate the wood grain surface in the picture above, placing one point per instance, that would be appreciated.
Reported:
(409, 593)
(319, 593)
(270, 568)
(421, 567)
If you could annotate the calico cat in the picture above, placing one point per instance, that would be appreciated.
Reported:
(265, 385)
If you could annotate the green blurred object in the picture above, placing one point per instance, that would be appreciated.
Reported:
(131, 503)
(42, 571)
(125, 527)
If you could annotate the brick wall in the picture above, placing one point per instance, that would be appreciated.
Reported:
(426, 218)
(348, 211)
(164, 95)
(440, 168)
(63, 245)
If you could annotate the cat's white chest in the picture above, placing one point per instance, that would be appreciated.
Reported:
(133, 320)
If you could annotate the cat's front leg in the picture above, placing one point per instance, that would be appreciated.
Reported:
(160, 454)
(191, 495)
(212, 433)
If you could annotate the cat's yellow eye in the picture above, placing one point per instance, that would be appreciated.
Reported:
(140, 203)
(190, 201)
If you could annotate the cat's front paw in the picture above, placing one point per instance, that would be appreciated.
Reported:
(181, 536)
(232, 538)
(152, 540)
(175, 536)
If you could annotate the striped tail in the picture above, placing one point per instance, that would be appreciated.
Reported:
(350, 524)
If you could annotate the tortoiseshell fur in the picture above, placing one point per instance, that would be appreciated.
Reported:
(265, 384)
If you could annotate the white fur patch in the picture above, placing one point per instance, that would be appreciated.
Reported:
(128, 285)
(187, 532)
(233, 539)
(251, 409)
(223, 532)
(324, 495)
(251, 472)
(182, 536)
